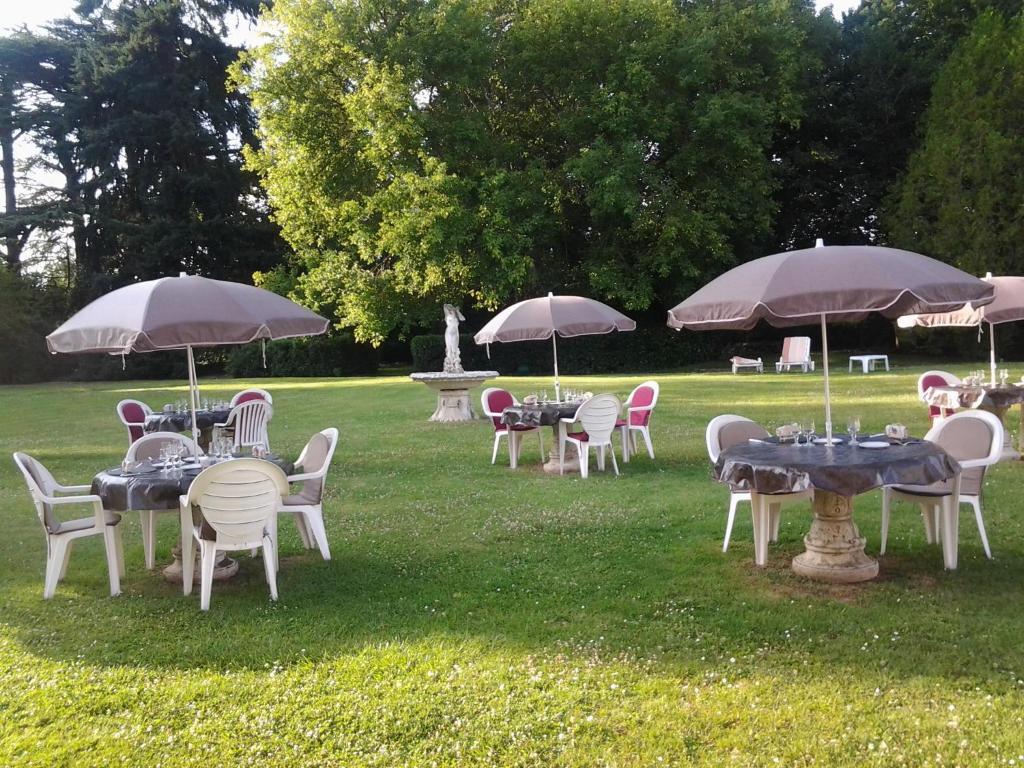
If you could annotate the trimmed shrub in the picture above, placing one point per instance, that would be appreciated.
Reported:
(646, 349)
(335, 355)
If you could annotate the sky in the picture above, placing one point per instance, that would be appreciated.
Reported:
(14, 13)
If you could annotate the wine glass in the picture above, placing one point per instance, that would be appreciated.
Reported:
(807, 429)
(853, 427)
(1004, 376)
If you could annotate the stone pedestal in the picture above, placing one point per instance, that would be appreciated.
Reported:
(223, 570)
(835, 548)
(453, 398)
(572, 459)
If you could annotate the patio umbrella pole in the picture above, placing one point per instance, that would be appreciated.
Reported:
(554, 346)
(992, 351)
(193, 397)
(828, 398)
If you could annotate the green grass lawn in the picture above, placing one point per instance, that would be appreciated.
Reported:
(474, 615)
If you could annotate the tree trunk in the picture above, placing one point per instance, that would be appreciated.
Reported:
(12, 243)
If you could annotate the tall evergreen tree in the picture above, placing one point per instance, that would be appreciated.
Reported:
(963, 197)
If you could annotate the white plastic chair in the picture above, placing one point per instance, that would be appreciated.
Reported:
(597, 416)
(796, 351)
(975, 440)
(61, 534)
(725, 431)
(746, 362)
(238, 501)
(132, 414)
(249, 421)
(493, 401)
(639, 409)
(930, 379)
(307, 504)
(251, 394)
(148, 447)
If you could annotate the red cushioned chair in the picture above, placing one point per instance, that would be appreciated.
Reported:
(639, 407)
(493, 401)
(132, 414)
(931, 379)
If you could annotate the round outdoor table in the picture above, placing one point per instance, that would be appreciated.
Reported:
(158, 490)
(162, 421)
(834, 548)
(997, 399)
(547, 415)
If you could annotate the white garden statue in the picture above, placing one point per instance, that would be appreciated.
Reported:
(452, 318)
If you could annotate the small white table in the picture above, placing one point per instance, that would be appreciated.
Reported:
(867, 362)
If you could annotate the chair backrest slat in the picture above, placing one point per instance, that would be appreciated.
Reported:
(238, 498)
(598, 416)
(250, 422)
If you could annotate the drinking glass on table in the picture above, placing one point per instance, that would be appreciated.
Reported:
(807, 430)
(853, 427)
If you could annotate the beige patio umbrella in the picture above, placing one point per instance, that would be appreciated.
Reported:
(182, 313)
(844, 283)
(1006, 307)
(551, 316)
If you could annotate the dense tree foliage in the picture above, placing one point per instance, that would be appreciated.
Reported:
(963, 196)
(476, 151)
(417, 152)
(128, 103)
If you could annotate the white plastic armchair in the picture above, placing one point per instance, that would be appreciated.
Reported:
(723, 432)
(975, 439)
(251, 394)
(148, 447)
(597, 416)
(249, 421)
(46, 494)
(237, 502)
(796, 352)
(307, 504)
(639, 409)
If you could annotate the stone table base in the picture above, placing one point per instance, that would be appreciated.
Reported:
(572, 460)
(835, 548)
(224, 569)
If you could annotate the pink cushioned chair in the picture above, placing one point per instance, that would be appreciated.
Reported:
(132, 414)
(251, 394)
(493, 401)
(931, 379)
(639, 407)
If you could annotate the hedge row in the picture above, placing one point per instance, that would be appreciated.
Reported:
(336, 355)
(649, 349)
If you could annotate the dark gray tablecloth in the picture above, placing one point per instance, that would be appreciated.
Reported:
(971, 396)
(545, 415)
(151, 490)
(181, 422)
(848, 471)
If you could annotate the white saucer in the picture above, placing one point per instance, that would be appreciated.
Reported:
(874, 444)
(824, 441)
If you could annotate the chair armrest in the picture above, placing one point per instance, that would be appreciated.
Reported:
(305, 476)
(974, 463)
(224, 424)
(639, 408)
(568, 420)
(89, 499)
(72, 488)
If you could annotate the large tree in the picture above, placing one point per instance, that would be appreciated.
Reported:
(130, 106)
(963, 197)
(418, 152)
